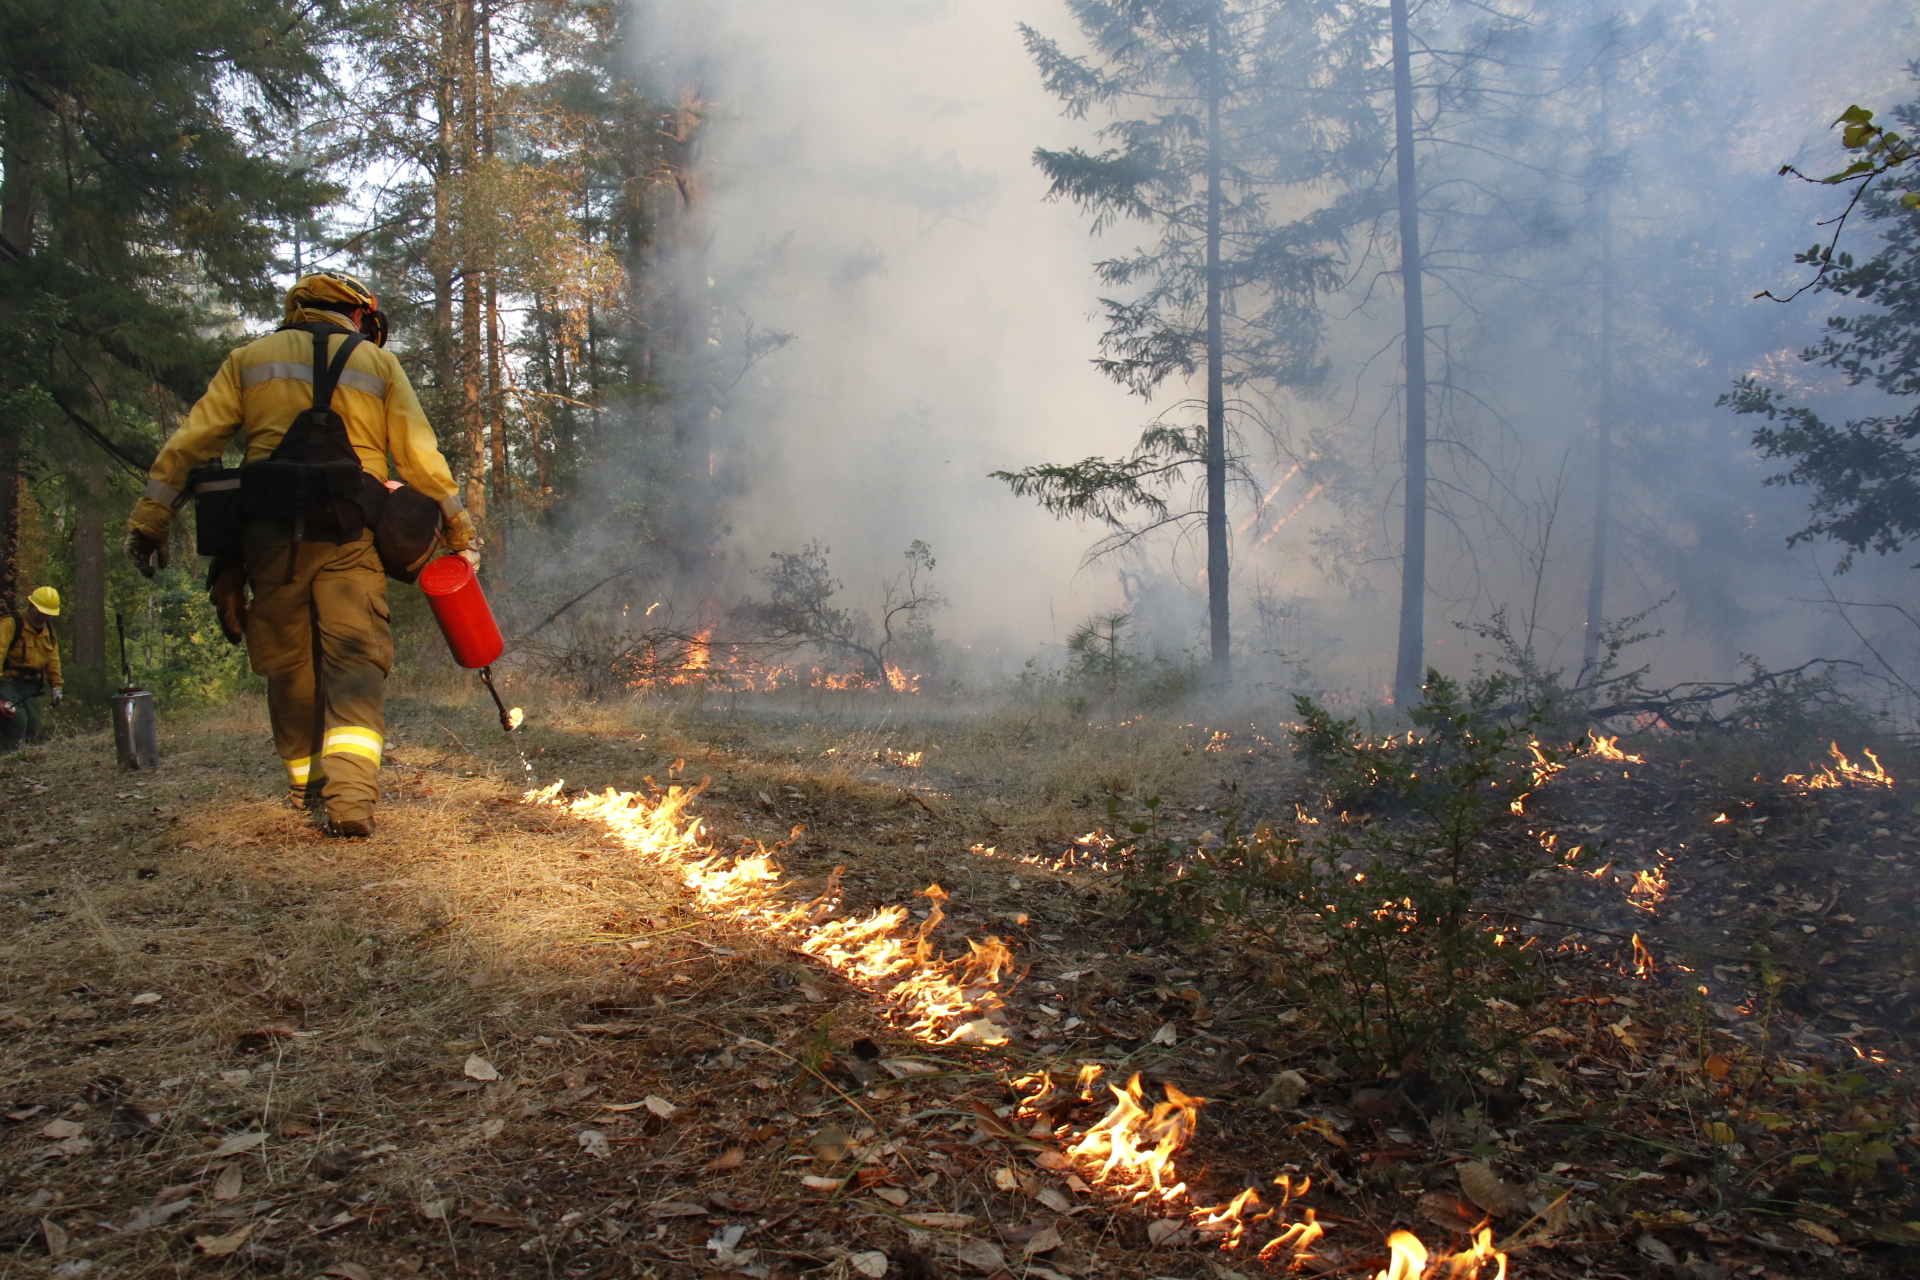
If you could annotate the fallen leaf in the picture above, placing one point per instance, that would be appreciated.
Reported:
(594, 1143)
(55, 1235)
(296, 1129)
(894, 1196)
(832, 1144)
(1443, 1210)
(434, 1210)
(72, 1147)
(229, 1183)
(221, 1246)
(942, 1221)
(981, 1031)
(478, 1068)
(1161, 1230)
(1051, 1160)
(660, 1106)
(1722, 1134)
(237, 1143)
(1716, 1066)
(731, 1158)
(819, 1183)
(498, 1216)
(1285, 1091)
(981, 1255)
(1055, 1201)
(1485, 1188)
(813, 993)
(871, 1264)
(1166, 1035)
(61, 1129)
(901, 1068)
(491, 1129)
(1003, 1179)
(1657, 1249)
(1047, 1241)
(349, 1270)
(1814, 1229)
(146, 997)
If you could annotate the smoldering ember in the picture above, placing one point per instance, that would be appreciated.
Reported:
(1007, 640)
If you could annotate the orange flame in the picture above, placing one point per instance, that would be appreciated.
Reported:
(1408, 1259)
(943, 1000)
(1649, 889)
(1609, 748)
(1643, 963)
(1135, 1144)
(1847, 771)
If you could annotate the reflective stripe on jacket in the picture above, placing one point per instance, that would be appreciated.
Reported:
(264, 385)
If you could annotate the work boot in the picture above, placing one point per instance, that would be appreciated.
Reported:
(350, 828)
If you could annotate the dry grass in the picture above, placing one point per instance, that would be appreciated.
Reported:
(328, 994)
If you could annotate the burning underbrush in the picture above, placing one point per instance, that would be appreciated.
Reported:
(734, 1028)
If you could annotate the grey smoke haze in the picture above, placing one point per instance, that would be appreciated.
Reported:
(868, 188)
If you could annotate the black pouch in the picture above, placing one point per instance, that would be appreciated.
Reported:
(217, 512)
(314, 480)
(407, 532)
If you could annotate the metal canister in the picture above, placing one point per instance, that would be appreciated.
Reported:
(136, 736)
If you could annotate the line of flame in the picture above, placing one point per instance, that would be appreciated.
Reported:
(942, 1000)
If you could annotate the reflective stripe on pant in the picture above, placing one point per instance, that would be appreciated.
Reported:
(324, 600)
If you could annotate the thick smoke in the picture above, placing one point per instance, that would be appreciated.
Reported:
(866, 188)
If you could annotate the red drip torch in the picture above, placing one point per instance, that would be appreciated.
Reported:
(460, 607)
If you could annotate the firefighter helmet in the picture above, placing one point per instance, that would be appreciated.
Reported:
(46, 600)
(337, 291)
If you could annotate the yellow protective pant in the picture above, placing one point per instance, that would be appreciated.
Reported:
(318, 631)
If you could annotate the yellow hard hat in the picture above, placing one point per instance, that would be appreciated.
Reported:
(46, 600)
(332, 290)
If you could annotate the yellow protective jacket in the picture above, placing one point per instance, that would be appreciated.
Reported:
(30, 653)
(264, 385)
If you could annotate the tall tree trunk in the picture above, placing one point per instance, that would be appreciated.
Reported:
(473, 417)
(496, 395)
(89, 624)
(1603, 414)
(1409, 667)
(17, 202)
(1217, 569)
(440, 247)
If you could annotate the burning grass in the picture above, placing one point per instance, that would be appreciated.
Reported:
(649, 1031)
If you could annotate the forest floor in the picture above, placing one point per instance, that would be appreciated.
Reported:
(546, 1035)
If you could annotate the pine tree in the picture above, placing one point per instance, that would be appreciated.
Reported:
(142, 187)
(1237, 101)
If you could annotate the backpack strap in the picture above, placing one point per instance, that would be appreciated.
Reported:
(326, 377)
(326, 374)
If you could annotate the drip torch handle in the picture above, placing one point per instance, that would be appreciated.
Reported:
(126, 668)
(506, 721)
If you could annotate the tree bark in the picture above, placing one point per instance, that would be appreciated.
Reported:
(1603, 415)
(440, 254)
(89, 624)
(1409, 667)
(18, 195)
(473, 417)
(1218, 629)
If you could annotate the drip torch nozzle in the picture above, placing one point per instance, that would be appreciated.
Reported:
(509, 720)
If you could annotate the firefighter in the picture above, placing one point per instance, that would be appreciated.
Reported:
(31, 668)
(317, 625)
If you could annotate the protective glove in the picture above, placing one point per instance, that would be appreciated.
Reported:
(459, 535)
(146, 554)
(59, 694)
(227, 589)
